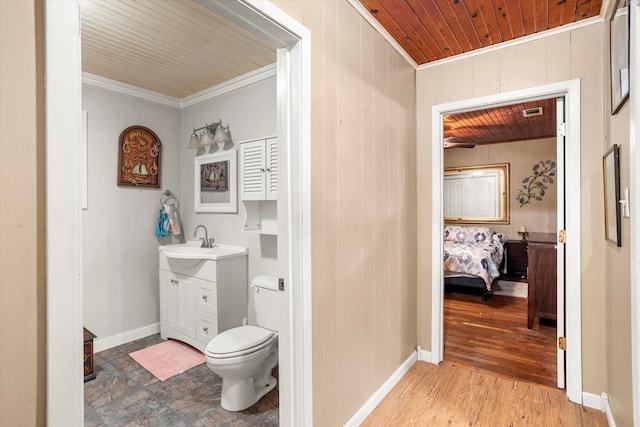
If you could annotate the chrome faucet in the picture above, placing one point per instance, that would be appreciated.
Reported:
(206, 241)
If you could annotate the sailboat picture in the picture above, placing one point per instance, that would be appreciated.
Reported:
(139, 158)
(213, 176)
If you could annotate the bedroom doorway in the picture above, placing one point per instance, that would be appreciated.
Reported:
(569, 91)
(502, 170)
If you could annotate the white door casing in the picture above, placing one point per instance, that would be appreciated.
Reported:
(570, 90)
(560, 209)
(62, 133)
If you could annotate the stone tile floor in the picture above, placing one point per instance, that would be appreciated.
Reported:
(126, 394)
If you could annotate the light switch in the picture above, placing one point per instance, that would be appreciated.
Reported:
(624, 203)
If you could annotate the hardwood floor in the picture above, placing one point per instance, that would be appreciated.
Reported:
(494, 336)
(454, 395)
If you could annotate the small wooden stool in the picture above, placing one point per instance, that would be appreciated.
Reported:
(88, 355)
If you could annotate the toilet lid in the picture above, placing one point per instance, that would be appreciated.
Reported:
(238, 341)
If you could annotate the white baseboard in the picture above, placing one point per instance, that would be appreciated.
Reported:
(424, 356)
(508, 288)
(606, 408)
(382, 392)
(125, 337)
(592, 400)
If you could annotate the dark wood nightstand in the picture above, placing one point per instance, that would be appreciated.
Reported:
(517, 259)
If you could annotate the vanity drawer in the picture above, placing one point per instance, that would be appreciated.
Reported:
(206, 297)
(206, 326)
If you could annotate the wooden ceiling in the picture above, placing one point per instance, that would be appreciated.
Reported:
(176, 48)
(429, 30)
(500, 124)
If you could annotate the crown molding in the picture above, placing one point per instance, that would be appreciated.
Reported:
(236, 83)
(127, 89)
(514, 42)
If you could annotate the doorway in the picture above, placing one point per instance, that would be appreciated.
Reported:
(64, 290)
(502, 172)
(570, 91)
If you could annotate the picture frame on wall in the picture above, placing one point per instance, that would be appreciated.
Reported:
(619, 54)
(612, 208)
(139, 153)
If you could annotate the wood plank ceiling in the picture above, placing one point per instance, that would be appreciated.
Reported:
(429, 30)
(176, 48)
(501, 124)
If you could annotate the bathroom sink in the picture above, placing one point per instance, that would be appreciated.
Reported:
(192, 250)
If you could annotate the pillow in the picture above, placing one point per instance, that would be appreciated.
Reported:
(476, 235)
(499, 238)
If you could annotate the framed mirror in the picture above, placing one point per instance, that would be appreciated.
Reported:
(476, 194)
(215, 182)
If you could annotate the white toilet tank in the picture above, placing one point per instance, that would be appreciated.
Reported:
(267, 301)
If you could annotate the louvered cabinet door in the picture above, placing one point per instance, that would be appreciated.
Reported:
(252, 170)
(271, 151)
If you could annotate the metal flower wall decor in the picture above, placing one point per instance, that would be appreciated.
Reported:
(534, 187)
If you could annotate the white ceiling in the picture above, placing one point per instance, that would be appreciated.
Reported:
(173, 47)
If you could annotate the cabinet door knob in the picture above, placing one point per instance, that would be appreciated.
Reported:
(204, 298)
(206, 330)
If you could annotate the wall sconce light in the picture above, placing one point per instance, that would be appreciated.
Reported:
(211, 134)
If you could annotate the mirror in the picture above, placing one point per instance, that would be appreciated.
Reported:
(476, 194)
(215, 186)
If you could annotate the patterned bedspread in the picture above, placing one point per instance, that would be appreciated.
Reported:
(478, 253)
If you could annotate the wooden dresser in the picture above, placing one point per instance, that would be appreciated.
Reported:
(542, 269)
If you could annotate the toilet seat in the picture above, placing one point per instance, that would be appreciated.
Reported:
(239, 341)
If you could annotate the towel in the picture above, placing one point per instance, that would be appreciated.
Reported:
(162, 226)
(174, 224)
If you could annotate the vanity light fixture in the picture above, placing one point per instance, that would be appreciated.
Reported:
(211, 134)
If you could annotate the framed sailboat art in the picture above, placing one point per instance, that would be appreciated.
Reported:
(139, 158)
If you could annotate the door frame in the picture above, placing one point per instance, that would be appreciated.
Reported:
(65, 402)
(634, 188)
(570, 90)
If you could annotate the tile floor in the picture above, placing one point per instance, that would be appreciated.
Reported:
(125, 394)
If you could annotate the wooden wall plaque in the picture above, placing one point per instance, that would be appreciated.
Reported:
(139, 157)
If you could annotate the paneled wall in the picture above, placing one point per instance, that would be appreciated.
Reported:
(618, 282)
(363, 208)
(22, 215)
(537, 216)
(570, 55)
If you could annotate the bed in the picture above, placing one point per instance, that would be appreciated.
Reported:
(472, 257)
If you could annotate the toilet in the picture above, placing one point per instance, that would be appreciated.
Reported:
(245, 356)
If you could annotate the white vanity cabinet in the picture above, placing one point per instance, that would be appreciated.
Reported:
(199, 298)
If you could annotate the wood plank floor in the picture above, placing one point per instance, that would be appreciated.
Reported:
(494, 336)
(455, 395)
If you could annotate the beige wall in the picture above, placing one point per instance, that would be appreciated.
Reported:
(618, 292)
(575, 54)
(363, 208)
(537, 216)
(22, 215)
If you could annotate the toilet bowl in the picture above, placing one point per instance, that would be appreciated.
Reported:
(244, 357)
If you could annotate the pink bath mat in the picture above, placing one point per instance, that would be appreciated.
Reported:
(168, 358)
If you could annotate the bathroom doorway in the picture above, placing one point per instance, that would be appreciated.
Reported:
(64, 294)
